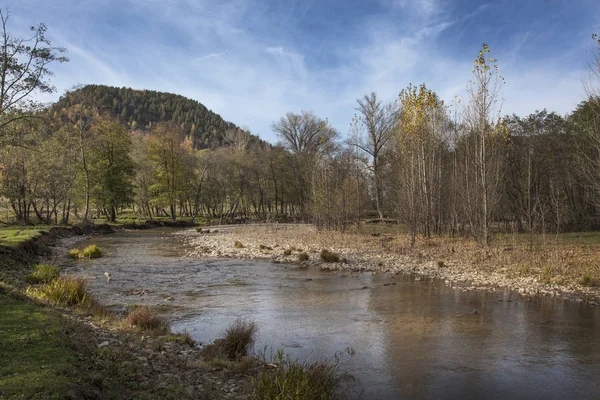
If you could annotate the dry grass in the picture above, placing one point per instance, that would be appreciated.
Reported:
(239, 336)
(144, 319)
(329, 256)
(237, 340)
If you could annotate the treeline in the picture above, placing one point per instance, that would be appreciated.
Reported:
(143, 109)
(436, 168)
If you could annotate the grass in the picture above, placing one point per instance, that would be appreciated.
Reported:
(589, 281)
(91, 251)
(293, 380)
(144, 319)
(238, 245)
(329, 256)
(13, 236)
(43, 273)
(239, 336)
(235, 344)
(181, 338)
(74, 253)
(66, 291)
(38, 361)
(303, 256)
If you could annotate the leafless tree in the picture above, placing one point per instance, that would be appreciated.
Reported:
(372, 129)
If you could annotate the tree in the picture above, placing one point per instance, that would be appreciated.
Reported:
(167, 151)
(24, 69)
(304, 133)
(486, 130)
(112, 167)
(419, 158)
(372, 128)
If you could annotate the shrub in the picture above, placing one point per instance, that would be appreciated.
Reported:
(287, 252)
(589, 281)
(144, 319)
(301, 380)
(239, 336)
(263, 247)
(43, 273)
(303, 256)
(91, 251)
(74, 253)
(238, 244)
(66, 291)
(441, 264)
(329, 256)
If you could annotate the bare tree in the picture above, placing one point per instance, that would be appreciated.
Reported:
(372, 128)
(23, 70)
(482, 116)
(304, 133)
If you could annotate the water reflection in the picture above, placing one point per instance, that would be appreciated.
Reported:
(412, 339)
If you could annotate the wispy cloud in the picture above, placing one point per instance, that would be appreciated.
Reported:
(253, 61)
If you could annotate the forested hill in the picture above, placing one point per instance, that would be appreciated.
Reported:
(142, 109)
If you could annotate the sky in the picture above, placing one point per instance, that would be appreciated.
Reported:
(253, 61)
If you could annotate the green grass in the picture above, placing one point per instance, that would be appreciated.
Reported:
(62, 291)
(13, 236)
(91, 251)
(38, 361)
(295, 380)
(43, 273)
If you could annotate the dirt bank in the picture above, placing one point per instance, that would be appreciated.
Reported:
(383, 254)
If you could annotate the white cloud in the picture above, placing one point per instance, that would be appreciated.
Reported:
(252, 80)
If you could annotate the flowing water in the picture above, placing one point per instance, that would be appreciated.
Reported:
(412, 339)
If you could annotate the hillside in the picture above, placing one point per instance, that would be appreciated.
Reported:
(142, 109)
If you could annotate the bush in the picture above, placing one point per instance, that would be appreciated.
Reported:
(589, 281)
(263, 247)
(301, 380)
(303, 256)
(329, 256)
(43, 273)
(144, 319)
(239, 336)
(441, 264)
(238, 244)
(66, 291)
(287, 252)
(91, 251)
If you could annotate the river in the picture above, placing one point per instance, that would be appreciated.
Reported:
(413, 339)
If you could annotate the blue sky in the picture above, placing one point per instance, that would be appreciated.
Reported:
(253, 61)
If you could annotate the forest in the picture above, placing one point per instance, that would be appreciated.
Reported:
(432, 166)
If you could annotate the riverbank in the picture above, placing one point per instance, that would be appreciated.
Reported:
(83, 351)
(567, 270)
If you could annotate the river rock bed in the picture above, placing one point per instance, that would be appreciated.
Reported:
(361, 253)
